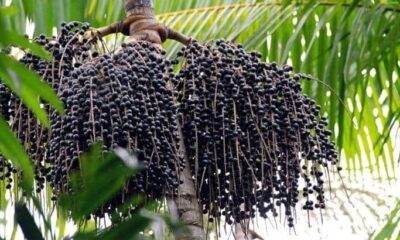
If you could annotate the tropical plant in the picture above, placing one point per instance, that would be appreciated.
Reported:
(350, 49)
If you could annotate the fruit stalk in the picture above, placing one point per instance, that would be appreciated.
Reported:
(143, 28)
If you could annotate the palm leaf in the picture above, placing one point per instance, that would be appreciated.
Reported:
(390, 229)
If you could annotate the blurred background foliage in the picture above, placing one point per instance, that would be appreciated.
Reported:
(351, 48)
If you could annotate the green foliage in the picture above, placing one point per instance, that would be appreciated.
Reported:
(389, 229)
(26, 84)
(99, 180)
(97, 183)
(130, 229)
(29, 87)
(11, 149)
(27, 223)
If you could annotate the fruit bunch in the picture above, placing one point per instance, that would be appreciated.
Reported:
(251, 136)
(120, 100)
(6, 168)
(254, 143)
(68, 49)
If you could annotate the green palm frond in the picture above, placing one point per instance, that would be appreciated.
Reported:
(390, 230)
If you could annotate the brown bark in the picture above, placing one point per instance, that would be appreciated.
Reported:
(145, 27)
(141, 24)
(133, 25)
(187, 204)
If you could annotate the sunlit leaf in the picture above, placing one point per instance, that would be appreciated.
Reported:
(27, 223)
(11, 38)
(389, 229)
(28, 86)
(11, 149)
(99, 179)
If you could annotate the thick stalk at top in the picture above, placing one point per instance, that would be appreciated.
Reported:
(186, 203)
(145, 27)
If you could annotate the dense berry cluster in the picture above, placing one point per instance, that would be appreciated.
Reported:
(119, 99)
(122, 101)
(5, 97)
(253, 141)
(66, 48)
(6, 169)
(250, 134)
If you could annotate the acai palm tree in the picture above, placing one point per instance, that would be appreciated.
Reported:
(213, 122)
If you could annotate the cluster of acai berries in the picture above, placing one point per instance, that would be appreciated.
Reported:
(250, 134)
(66, 49)
(253, 141)
(120, 99)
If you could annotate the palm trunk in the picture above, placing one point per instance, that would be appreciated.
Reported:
(141, 28)
(186, 203)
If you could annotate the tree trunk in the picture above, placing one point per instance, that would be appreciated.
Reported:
(143, 27)
(186, 203)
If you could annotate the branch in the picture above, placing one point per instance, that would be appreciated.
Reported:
(136, 25)
(177, 36)
(107, 30)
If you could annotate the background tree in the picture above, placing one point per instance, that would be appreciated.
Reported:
(321, 46)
